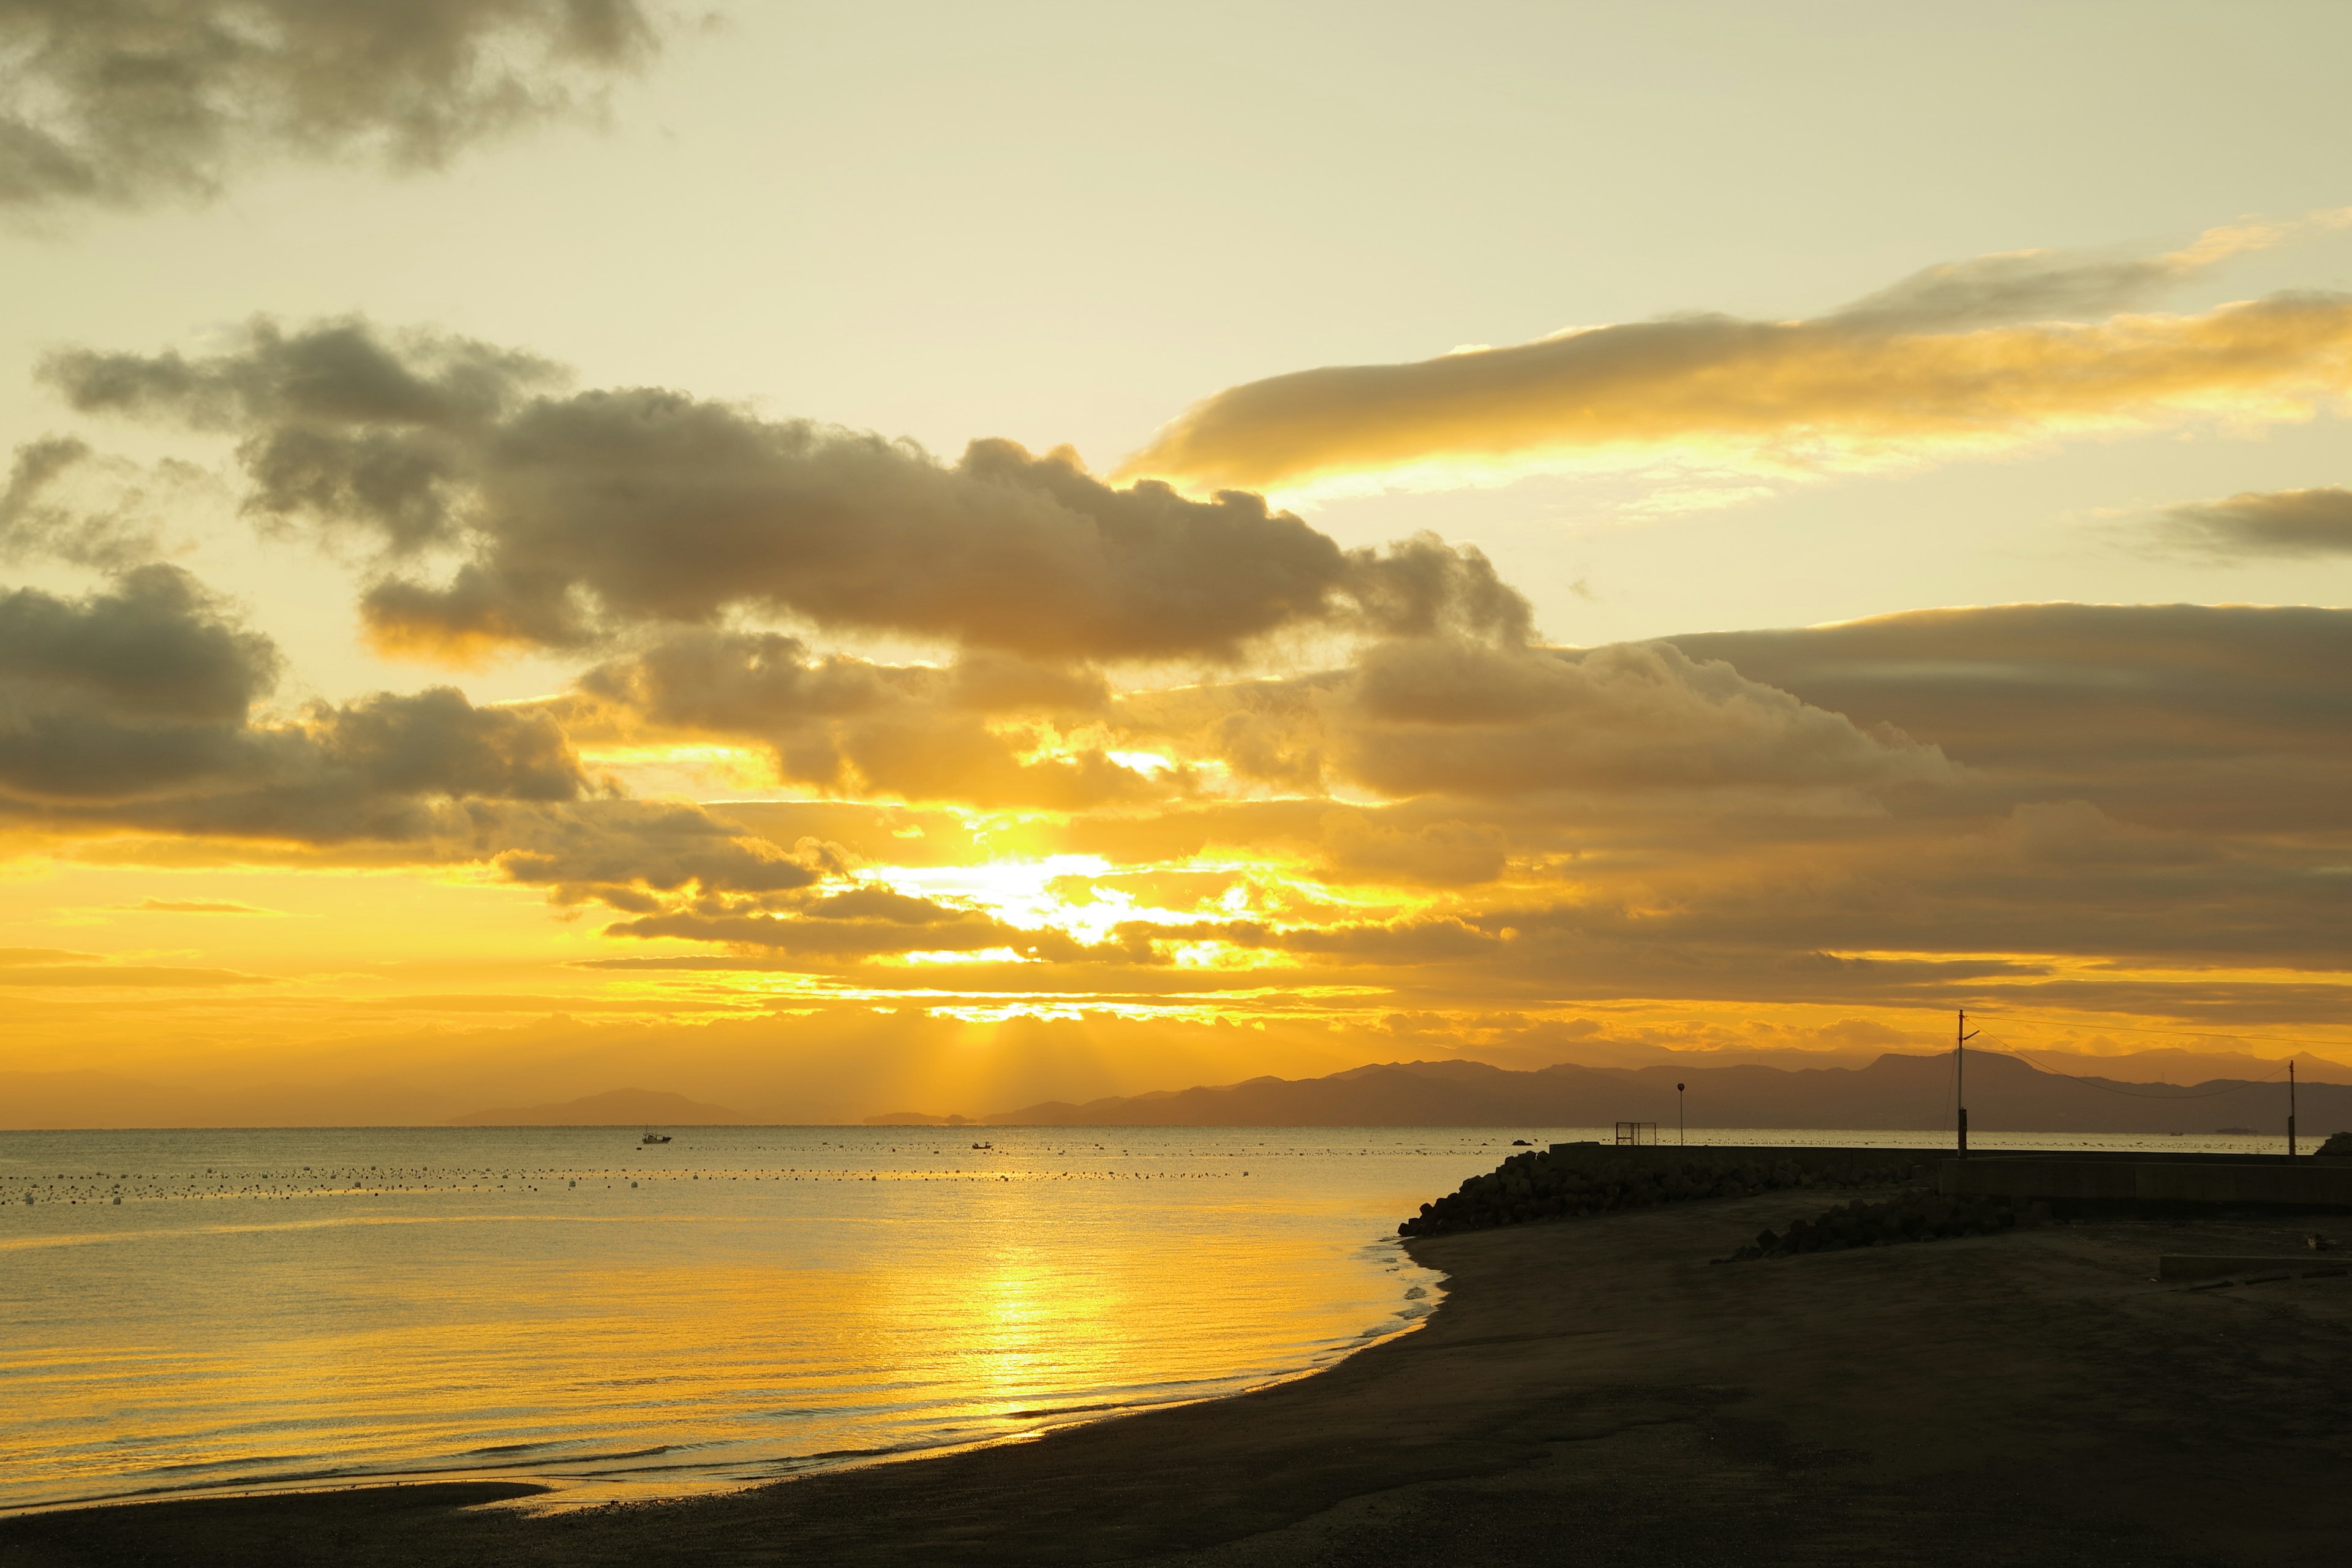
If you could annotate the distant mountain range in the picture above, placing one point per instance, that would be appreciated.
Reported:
(1895, 1093)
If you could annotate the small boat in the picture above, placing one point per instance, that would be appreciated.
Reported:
(984, 1145)
(652, 1137)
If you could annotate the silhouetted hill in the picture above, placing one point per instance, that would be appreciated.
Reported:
(1893, 1093)
(615, 1108)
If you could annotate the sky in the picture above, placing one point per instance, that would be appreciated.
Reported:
(840, 560)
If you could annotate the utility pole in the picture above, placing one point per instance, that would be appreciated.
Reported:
(1680, 1139)
(1961, 1076)
(2290, 1108)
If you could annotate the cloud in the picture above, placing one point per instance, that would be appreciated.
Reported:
(2274, 523)
(1461, 719)
(55, 967)
(1472, 719)
(868, 924)
(2227, 713)
(2050, 285)
(65, 502)
(2139, 784)
(137, 703)
(987, 730)
(1905, 811)
(155, 646)
(633, 854)
(1359, 844)
(574, 518)
(1450, 819)
(141, 707)
(1938, 364)
(871, 922)
(1940, 806)
(1442, 714)
(139, 975)
(195, 907)
(124, 102)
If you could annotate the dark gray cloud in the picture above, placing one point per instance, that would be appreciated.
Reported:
(639, 857)
(2233, 717)
(155, 645)
(121, 102)
(140, 708)
(575, 516)
(2274, 523)
(336, 375)
(137, 704)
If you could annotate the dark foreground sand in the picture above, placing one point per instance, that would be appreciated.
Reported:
(1592, 1392)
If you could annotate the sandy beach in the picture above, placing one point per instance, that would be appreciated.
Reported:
(1590, 1391)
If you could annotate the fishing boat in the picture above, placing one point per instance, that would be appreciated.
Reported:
(652, 1137)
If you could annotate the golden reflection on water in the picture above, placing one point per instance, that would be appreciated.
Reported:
(276, 1308)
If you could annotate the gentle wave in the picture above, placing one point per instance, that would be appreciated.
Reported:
(761, 1301)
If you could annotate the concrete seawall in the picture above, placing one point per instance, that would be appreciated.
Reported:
(2086, 1176)
(2302, 1184)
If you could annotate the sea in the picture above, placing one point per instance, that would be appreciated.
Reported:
(197, 1311)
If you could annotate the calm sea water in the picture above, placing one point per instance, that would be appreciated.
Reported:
(306, 1307)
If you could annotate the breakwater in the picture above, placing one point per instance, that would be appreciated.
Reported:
(1567, 1179)
(1968, 1196)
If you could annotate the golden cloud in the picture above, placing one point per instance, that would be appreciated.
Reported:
(1892, 379)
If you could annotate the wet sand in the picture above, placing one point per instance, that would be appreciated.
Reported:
(1591, 1392)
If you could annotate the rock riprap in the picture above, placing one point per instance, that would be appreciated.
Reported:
(1571, 1180)
(1908, 1216)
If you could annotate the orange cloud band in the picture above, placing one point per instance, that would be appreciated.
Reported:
(1838, 392)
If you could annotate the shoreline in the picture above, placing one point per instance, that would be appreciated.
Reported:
(1595, 1390)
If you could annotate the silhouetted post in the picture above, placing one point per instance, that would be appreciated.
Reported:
(1960, 1076)
(2290, 1108)
(1680, 1139)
